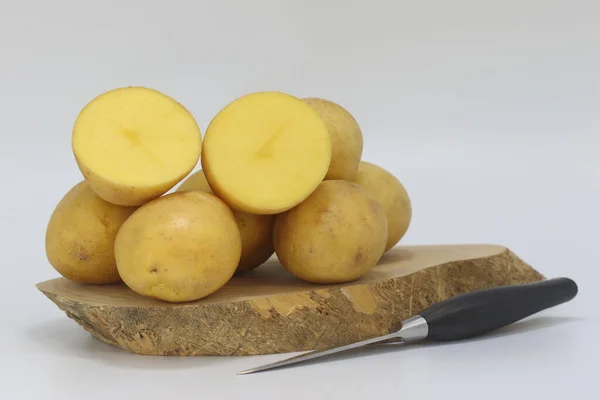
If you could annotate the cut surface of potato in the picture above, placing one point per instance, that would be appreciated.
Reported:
(346, 138)
(266, 152)
(134, 144)
(80, 236)
(336, 235)
(180, 247)
(392, 196)
(256, 230)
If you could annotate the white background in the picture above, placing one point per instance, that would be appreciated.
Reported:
(488, 112)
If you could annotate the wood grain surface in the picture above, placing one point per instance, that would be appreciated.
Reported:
(269, 311)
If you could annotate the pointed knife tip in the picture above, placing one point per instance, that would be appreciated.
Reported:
(246, 371)
(257, 369)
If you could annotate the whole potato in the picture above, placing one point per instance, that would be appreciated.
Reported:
(346, 138)
(392, 196)
(180, 247)
(336, 235)
(80, 236)
(256, 230)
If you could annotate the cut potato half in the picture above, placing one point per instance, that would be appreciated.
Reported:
(266, 152)
(134, 144)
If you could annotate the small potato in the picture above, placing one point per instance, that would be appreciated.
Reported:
(392, 196)
(180, 247)
(346, 138)
(80, 236)
(256, 230)
(336, 235)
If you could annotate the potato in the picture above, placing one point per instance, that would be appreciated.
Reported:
(265, 152)
(134, 144)
(346, 138)
(336, 235)
(392, 196)
(80, 236)
(180, 247)
(256, 230)
(196, 181)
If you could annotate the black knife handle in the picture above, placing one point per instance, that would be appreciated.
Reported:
(475, 313)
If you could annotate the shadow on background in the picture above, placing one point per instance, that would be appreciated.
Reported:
(64, 338)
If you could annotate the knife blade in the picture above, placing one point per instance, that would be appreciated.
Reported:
(461, 317)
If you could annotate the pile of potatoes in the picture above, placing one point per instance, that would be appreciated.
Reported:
(280, 175)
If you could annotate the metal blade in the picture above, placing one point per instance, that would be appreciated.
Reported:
(314, 354)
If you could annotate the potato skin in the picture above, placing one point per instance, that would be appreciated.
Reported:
(346, 138)
(195, 181)
(392, 196)
(125, 195)
(256, 230)
(257, 239)
(336, 235)
(180, 247)
(80, 236)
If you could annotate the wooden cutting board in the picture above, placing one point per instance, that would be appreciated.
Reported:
(269, 311)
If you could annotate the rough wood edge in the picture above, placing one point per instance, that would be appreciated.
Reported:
(289, 322)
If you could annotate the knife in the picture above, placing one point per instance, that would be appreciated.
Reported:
(461, 317)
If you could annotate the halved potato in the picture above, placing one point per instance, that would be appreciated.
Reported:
(266, 152)
(134, 144)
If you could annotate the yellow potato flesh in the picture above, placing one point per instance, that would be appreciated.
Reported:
(80, 236)
(336, 235)
(134, 144)
(392, 196)
(346, 138)
(266, 152)
(180, 247)
(256, 230)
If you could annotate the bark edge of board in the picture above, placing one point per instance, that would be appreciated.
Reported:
(309, 317)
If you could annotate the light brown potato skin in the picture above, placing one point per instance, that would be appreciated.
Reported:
(392, 196)
(180, 247)
(195, 181)
(80, 236)
(257, 239)
(346, 138)
(124, 195)
(336, 235)
(256, 230)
